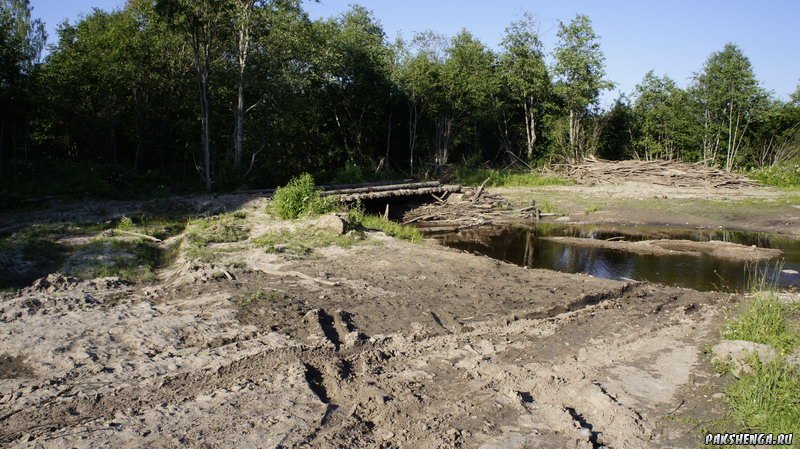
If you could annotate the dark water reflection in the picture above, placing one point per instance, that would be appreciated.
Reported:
(524, 246)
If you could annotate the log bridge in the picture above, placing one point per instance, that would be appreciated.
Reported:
(384, 190)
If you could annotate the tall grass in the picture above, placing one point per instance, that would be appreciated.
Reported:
(767, 399)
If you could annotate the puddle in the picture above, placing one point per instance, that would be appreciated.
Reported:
(524, 246)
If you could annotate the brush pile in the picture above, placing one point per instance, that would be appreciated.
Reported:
(660, 172)
(469, 208)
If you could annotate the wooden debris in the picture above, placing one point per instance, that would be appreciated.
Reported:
(660, 172)
(392, 190)
(472, 207)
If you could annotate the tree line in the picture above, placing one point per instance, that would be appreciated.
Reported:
(231, 93)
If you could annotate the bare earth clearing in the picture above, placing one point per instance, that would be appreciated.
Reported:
(638, 203)
(381, 344)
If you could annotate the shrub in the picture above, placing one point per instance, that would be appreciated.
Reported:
(300, 197)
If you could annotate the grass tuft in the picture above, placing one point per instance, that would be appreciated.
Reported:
(768, 399)
(223, 228)
(785, 175)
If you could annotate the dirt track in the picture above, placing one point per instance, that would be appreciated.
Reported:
(384, 344)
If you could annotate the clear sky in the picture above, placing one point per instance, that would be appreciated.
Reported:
(671, 37)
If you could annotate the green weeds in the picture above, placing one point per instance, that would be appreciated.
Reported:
(300, 197)
(358, 218)
(506, 178)
(785, 175)
(766, 399)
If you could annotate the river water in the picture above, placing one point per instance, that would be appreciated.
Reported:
(523, 245)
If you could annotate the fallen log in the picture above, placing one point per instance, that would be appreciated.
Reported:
(397, 193)
(382, 188)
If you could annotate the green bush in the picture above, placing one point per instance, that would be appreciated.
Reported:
(300, 197)
(351, 173)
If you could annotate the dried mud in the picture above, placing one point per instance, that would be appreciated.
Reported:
(383, 344)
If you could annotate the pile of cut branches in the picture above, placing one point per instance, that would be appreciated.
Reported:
(660, 172)
(469, 208)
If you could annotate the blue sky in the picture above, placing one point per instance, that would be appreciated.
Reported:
(671, 37)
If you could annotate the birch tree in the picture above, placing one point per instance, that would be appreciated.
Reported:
(729, 95)
(580, 70)
(525, 74)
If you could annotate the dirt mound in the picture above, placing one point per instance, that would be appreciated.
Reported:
(658, 172)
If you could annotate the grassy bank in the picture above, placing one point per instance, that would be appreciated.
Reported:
(767, 398)
(785, 176)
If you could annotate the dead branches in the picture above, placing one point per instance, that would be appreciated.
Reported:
(659, 172)
(473, 207)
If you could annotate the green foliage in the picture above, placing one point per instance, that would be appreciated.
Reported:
(358, 218)
(112, 111)
(351, 173)
(259, 296)
(782, 175)
(763, 319)
(579, 64)
(768, 399)
(300, 197)
(125, 224)
(506, 178)
(730, 99)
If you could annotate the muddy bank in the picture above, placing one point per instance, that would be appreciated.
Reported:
(383, 343)
(665, 247)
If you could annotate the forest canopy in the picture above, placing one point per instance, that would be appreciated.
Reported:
(184, 95)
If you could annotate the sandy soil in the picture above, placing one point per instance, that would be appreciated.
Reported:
(383, 344)
(633, 203)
